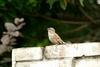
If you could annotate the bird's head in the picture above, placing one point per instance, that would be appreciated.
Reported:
(51, 29)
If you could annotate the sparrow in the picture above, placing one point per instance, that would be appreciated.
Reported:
(54, 37)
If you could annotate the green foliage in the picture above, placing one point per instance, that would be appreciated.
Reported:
(33, 2)
(51, 2)
(2, 3)
(63, 4)
(81, 2)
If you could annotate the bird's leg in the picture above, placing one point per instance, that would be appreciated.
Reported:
(68, 42)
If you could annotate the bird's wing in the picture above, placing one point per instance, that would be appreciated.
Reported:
(57, 37)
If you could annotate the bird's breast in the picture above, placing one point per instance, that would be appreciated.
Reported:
(50, 35)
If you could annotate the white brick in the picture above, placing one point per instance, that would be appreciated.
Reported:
(59, 51)
(23, 64)
(88, 62)
(89, 49)
(21, 54)
(53, 63)
(72, 50)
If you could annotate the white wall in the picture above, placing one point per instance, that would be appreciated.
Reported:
(67, 55)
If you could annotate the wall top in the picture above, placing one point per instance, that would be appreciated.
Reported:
(57, 51)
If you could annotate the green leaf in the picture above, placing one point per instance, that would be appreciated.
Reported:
(63, 4)
(33, 2)
(51, 2)
(2, 2)
(81, 2)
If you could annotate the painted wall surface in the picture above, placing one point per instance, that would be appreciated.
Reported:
(65, 55)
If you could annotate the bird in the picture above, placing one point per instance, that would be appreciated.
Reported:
(54, 37)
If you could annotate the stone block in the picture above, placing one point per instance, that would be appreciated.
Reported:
(23, 64)
(53, 63)
(89, 49)
(88, 62)
(72, 50)
(61, 51)
(25, 54)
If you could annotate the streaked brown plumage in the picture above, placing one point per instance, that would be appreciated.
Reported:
(54, 37)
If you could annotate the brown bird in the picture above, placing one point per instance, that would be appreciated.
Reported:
(54, 37)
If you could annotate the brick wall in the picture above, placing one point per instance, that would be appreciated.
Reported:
(66, 55)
